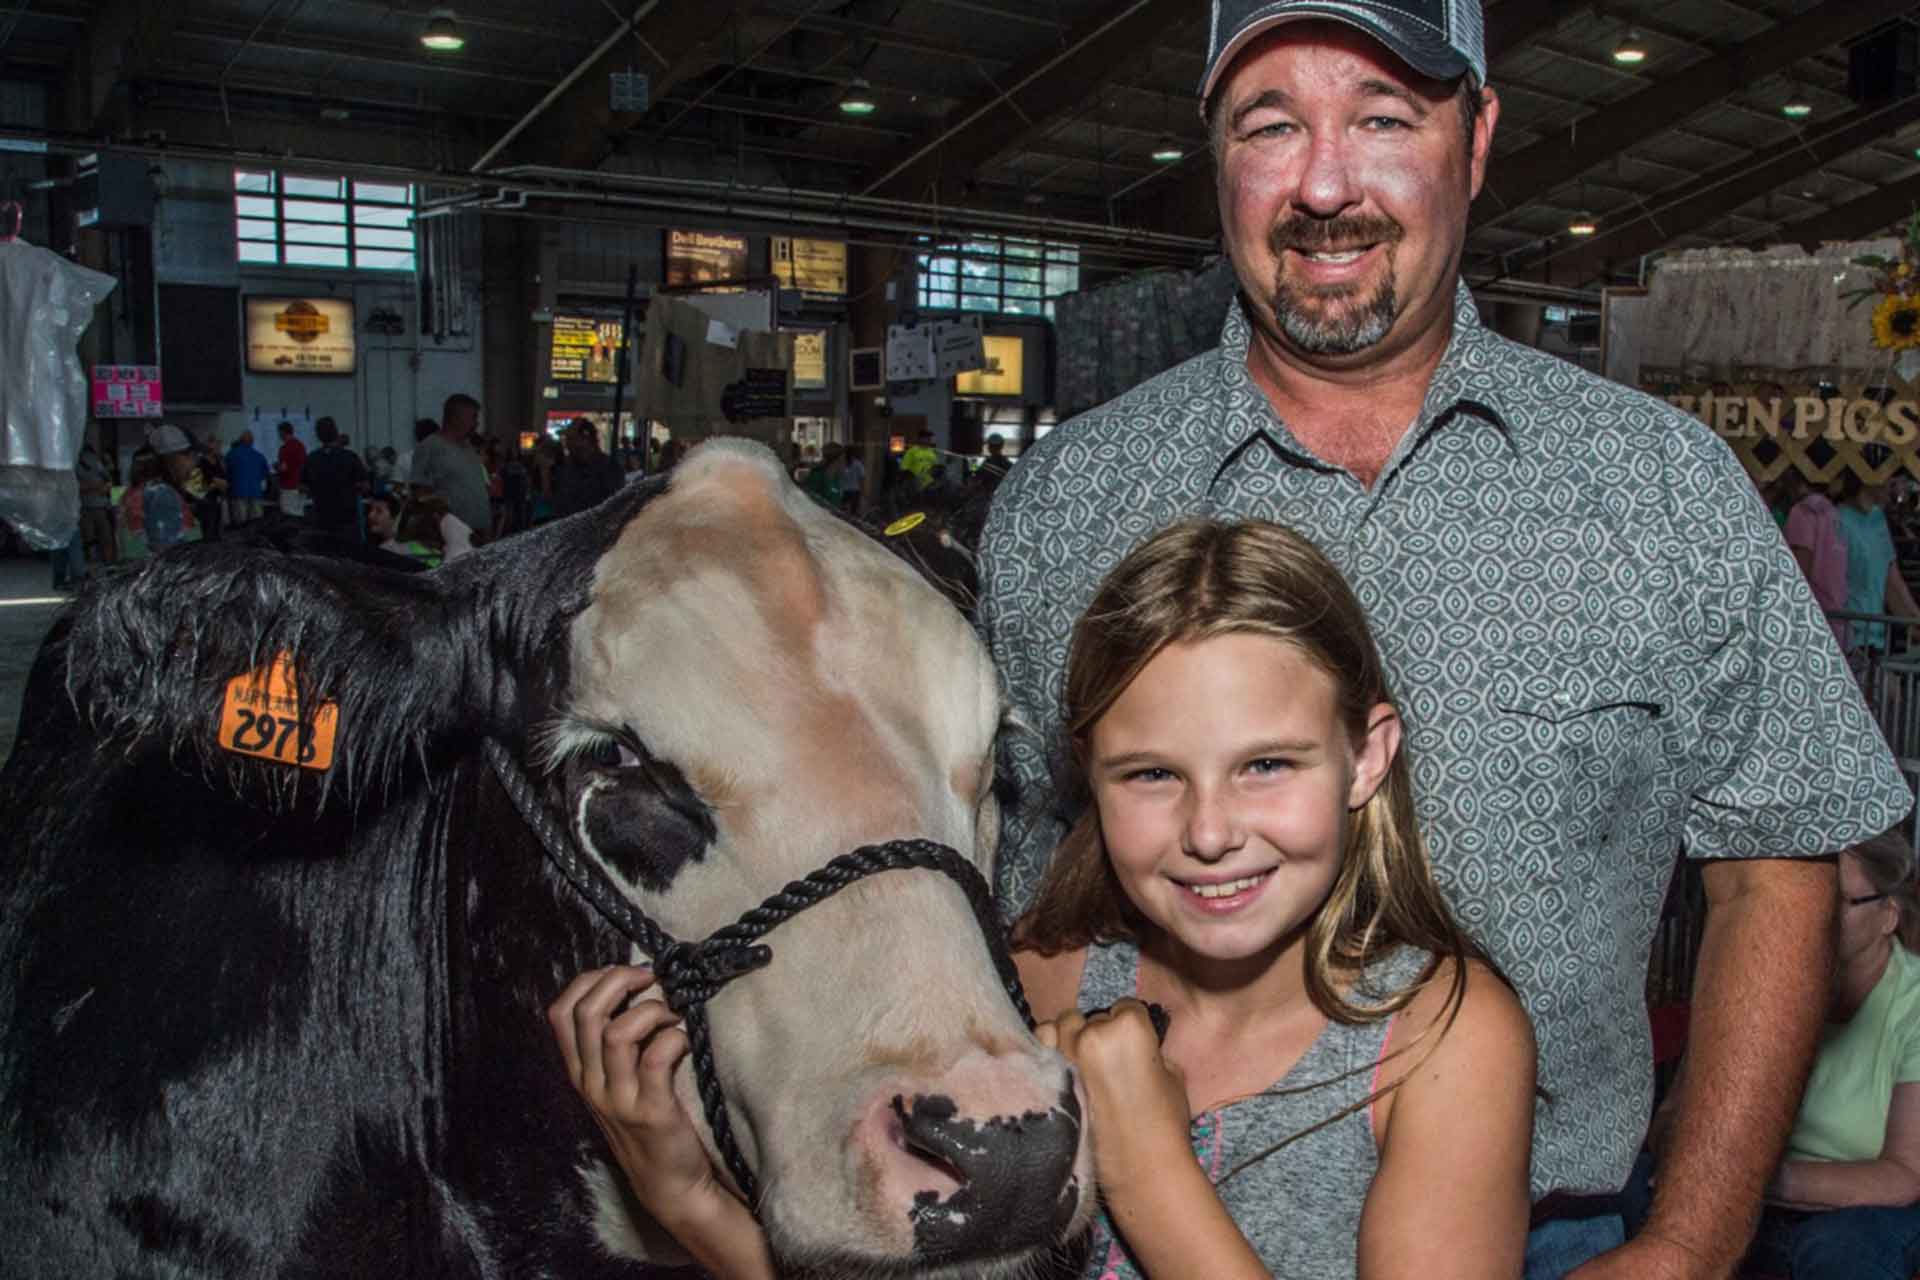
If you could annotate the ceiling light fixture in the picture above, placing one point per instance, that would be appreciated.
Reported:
(858, 99)
(1631, 51)
(1583, 224)
(1796, 107)
(441, 34)
(1168, 150)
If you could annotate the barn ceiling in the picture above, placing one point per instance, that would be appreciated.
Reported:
(1020, 110)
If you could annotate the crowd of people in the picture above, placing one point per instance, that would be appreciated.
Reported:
(457, 488)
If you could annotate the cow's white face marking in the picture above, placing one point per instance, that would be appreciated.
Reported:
(806, 692)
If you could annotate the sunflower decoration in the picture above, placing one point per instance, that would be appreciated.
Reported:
(1896, 322)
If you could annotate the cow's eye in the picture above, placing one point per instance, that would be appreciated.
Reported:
(614, 754)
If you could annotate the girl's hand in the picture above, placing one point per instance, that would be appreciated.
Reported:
(622, 1064)
(1138, 1099)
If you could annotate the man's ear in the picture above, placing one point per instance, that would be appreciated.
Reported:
(1483, 130)
(1373, 754)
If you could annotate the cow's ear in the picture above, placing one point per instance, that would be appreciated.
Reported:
(285, 674)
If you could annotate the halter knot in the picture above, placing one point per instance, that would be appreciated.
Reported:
(692, 974)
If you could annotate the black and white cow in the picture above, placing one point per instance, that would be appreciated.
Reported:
(258, 1020)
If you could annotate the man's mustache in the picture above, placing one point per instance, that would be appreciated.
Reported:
(1333, 235)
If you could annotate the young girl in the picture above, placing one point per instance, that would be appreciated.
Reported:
(1345, 1088)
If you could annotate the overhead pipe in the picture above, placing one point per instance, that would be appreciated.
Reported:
(566, 82)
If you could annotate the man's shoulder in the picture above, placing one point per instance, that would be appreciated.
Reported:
(1085, 450)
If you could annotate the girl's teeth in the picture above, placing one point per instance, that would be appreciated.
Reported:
(1228, 889)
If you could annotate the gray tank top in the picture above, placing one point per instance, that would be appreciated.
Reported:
(1300, 1207)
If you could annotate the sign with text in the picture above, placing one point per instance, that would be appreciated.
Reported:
(125, 391)
(583, 349)
(817, 268)
(1003, 374)
(1819, 430)
(762, 393)
(810, 360)
(701, 257)
(299, 335)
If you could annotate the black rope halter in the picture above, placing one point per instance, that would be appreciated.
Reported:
(692, 973)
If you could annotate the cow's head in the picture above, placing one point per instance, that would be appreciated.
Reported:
(718, 686)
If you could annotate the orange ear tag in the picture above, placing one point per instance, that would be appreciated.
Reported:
(260, 717)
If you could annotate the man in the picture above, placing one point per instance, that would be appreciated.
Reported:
(292, 460)
(335, 478)
(920, 460)
(96, 505)
(445, 463)
(246, 479)
(587, 476)
(1602, 651)
(994, 467)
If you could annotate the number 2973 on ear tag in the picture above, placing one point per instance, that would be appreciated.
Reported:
(260, 717)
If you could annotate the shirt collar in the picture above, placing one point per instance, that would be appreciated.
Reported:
(1468, 383)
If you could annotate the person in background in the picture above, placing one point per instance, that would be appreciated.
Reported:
(516, 487)
(335, 478)
(994, 467)
(853, 483)
(443, 463)
(381, 466)
(920, 460)
(247, 472)
(96, 505)
(823, 480)
(291, 462)
(587, 477)
(1813, 535)
(1845, 1203)
(1874, 584)
(209, 487)
(423, 529)
(163, 512)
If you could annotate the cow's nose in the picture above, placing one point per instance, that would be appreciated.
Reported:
(1014, 1174)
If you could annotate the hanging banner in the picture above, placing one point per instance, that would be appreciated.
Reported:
(299, 335)
(126, 391)
(702, 257)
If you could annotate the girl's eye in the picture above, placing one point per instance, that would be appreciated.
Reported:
(1269, 764)
(614, 754)
(1149, 775)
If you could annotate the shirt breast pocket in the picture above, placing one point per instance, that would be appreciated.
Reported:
(1588, 725)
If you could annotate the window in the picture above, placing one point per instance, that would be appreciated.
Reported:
(293, 220)
(1004, 276)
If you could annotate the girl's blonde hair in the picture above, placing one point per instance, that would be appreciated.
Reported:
(1194, 581)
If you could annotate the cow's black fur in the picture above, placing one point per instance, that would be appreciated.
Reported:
(257, 1022)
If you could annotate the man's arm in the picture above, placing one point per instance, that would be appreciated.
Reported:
(1759, 995)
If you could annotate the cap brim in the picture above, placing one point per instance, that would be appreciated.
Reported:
(1426, 52)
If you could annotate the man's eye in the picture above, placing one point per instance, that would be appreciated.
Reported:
(1386, 124)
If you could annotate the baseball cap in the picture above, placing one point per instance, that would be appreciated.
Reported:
(1441, 39)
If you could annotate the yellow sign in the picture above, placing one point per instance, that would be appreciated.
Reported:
(260, 717)
(817, 268)
(810, 360)
(299, 335)
(1003, 375)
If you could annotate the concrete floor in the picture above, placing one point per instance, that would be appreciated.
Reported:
(28, 606)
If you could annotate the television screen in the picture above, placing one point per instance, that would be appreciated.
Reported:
(300, 335)
(584, 349)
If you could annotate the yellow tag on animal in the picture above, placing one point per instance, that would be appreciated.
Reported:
(260, 716)
(906, 524)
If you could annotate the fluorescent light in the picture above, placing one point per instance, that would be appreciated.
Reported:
(1796, 108)
(441, 34)
(1168, 150)
(858, 99)
(1631, 51)
(1583, 224)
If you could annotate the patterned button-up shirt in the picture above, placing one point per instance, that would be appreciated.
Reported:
(1602, 651)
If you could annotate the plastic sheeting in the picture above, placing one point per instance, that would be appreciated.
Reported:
(46, 303)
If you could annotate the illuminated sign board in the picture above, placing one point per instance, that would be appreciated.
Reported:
(810, 360)
(701, 257)
(584, 349)
(126, 391)
(1003, 374)
(299, 335)
(817, 268)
